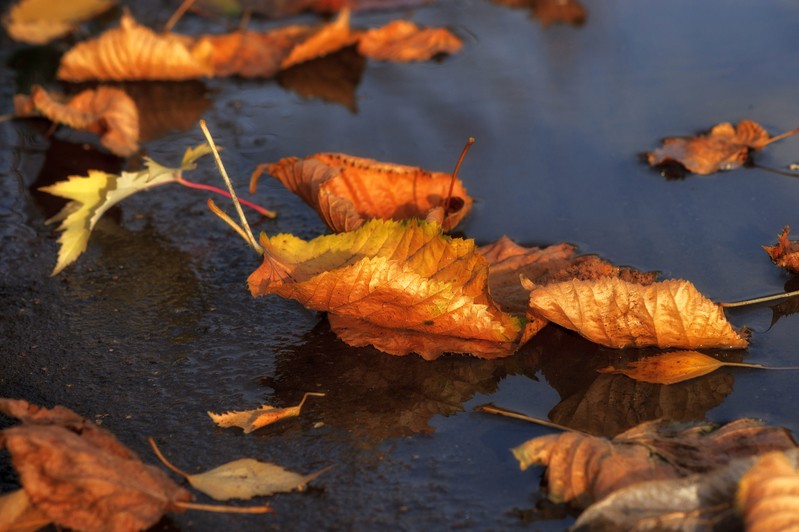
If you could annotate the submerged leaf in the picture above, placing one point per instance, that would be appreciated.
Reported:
(250, 420)
(402, 40)
(768, 494)
(673, 367)
(347, 190)
(247, 478)
(41, 21)
(786, 252)
(618, 314)
(397, 278)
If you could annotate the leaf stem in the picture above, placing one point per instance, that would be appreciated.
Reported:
(764, 299)
(455, 176)
(250, 238)
(491, 409)
(307, 394)
(176, 16)
(164, 461)
(222, 508)
(782, 136)
(227, 219)
(191, 184)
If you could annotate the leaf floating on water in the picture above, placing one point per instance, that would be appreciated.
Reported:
(674, 367)
(619, 314)
(724, 148)
(786, 252)
(768, 494)
(402, 40)
(41, 21)
(550, 12)
(250, 420)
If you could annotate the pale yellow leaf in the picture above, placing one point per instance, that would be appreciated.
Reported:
(246, 478)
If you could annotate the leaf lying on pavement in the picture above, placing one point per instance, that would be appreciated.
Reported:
(41, 21)
(786, 252)
(616, 313)
(250, 420)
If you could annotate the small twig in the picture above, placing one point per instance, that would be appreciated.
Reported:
(774, 170)
(764, 299)
(491, 409)
(176, 16)
(307, 394)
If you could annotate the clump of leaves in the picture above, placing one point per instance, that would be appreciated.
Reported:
(726, 147)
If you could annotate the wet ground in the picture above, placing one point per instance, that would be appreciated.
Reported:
(154, 325)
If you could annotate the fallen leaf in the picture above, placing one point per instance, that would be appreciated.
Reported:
(80, 476)
(768, 494)
(400, 277)
(402, 40)
(91, 196)
(18, 514)
(247, 478)
(550, 12)
(582, 469)
(786, 252)
(105, 111)
(251, 54)
(618, 314)
(346, 191)
(673, 367)
(41, 21)
(250, 420)
(328, 39)
(724, 148)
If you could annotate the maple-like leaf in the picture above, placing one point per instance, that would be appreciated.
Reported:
(250, 420)
(80, 476)
(725, 148)
(768, 494)
(582, 469)
(106, 111)
(402, 40)
(347, 190)
(786, 252)
(92, 195)
(404, 279)
(41, 21)
(618, 314)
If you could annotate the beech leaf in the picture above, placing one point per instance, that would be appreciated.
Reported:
(250, 420)
(347, 190)
(41, 21)
(674, 367)
(786, 252)
(92, 195)
(618, 314)
(402, 40)
(768, 493)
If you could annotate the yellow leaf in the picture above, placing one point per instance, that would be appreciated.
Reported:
(250, 420)
(41, 21)
(673, 367)
(92, 195)
(618, 314)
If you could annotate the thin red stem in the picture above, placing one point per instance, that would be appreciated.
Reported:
(265, 212)
(455, 173)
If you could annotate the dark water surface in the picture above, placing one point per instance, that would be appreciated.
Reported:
(154, 325)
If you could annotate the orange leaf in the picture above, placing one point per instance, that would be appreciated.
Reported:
(550, 12)
(618, 314)
(250, 420)
(402, 40)
(786, 252)
(328, 39)
(673, 367)
(347, 190)
(768, 494)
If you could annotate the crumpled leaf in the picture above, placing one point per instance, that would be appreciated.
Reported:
(91, 196)
(786, 252)
(247, 478)
(250, 420)
(402, 40)
(18, 514)
(41, 21)
(347, 190)
(768, 493)
(105, 111)
(80, 476)
(400, 280)
(618, 314)
(582, 469)
(724, 148)
(550, 12)
(673, 367)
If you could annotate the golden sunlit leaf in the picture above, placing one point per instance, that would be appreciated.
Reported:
(402, 40)
(250, 420)
(768, 494)
(328, 39)
(92, 195)
(399, 276)
(618, 314)
(106, 111)
(41, 21)
(724, 148)
(347, 190)
(786, 252)
(673, 367)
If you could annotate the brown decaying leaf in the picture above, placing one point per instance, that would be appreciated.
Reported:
(250, 420)
(106, 111)
(768, 494)
(402, 40)
(724, 148)
(582, 469)
(786, 252)
(673, 367)
(346, 191)
(80, 476)
(618, 314)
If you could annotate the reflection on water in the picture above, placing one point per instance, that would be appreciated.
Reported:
(332, 78)
(550, 12)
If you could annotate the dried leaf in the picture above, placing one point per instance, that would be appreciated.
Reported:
(17, 513)
(724, 148)
(619, 314)
(768, 493)
(247, 478)
(346, 191)
(41, 21)
(673, 367)
(250, 420)
(328, 39)
(91, 196)
(582, 469)
(80, 476)
(106, 111)
(786, 252)
(402, 40)
(399, 276)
